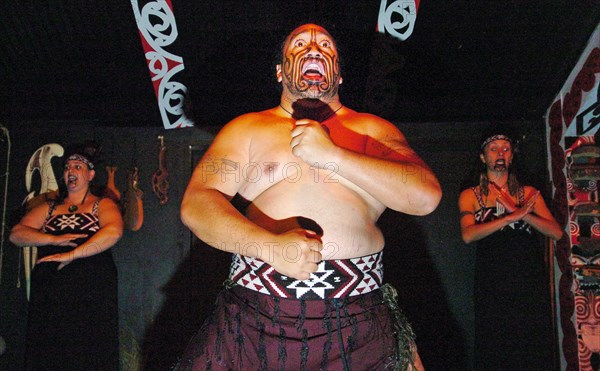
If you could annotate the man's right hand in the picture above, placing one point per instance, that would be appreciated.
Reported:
(297, 253)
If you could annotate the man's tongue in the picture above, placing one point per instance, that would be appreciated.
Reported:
(313, 75)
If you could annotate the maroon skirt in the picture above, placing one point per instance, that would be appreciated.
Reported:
(249, 330)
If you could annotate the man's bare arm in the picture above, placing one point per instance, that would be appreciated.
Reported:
(389, 170)
(207, 211)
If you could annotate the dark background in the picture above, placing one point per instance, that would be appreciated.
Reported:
(465, 61)
(71, 71)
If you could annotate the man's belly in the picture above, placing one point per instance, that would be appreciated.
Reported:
(342, 218)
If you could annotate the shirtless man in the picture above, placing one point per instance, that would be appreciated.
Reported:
(317, 176)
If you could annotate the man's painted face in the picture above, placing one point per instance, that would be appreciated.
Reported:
(310, 66)
(497, 155)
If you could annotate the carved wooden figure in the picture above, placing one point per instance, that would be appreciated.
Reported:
(160, 182)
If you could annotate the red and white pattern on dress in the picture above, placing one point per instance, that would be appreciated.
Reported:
(81, 222)
(71, 221)
(333, 278)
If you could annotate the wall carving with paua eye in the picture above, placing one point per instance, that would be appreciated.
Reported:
(572, 123)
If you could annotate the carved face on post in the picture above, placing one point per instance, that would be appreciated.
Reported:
(587, 309)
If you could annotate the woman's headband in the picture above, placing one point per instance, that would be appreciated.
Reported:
(85, 160)
(493, 138)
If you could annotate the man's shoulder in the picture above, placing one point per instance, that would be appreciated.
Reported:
(368, 123)
(360, 118)
(251, 120)
(351, 114)
(255, 127)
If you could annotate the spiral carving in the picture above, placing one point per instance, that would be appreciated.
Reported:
(397, 18)
(158, 30)
(596, 230)
(574, 228)
(582, 308)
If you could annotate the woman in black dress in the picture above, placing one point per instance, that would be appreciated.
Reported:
(512, 307)
(73, 313)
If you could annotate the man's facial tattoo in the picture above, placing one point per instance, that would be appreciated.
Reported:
(311, 65)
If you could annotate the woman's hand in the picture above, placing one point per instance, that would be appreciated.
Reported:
(503, 198)
(524, 210)
(67, 239)
(63, 258)
(509, 204)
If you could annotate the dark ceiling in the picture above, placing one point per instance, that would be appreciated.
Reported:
(82, 61)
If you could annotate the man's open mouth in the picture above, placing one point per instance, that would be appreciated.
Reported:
(313, 70)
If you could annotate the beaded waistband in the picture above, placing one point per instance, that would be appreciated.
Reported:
(333, 278)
